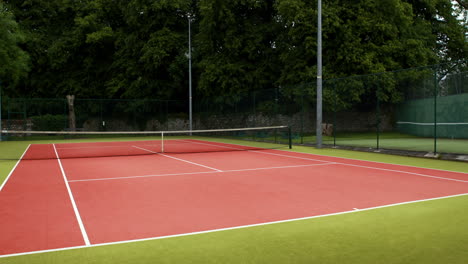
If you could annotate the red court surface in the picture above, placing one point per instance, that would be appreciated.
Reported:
(112, 199)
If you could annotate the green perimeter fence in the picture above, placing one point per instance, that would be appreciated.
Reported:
(420, 109)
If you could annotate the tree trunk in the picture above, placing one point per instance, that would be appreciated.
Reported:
(71, 113)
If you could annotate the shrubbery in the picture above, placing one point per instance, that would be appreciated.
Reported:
(49, 122)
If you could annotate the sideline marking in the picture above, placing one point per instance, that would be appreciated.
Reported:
(203, 172)
(375, 168)
(256, 151)
(75, 208)
(328, 156)
(14, 167)
(232, 228)
(178, 159)
(346, 164)
(378, 162)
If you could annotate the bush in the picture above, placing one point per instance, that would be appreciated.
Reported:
(49, 122)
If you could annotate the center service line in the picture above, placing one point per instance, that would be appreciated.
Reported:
(178, 159)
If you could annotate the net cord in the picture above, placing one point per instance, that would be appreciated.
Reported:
(135, 132)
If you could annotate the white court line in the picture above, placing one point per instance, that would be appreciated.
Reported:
(100, 147)
(376, 168)
(347, 164)
(287, 151)
(202, 143)
(75, 208)
(110, 146)
(178, 159)
(204, 172)
(378, 162)
(156, 143)
(14, 167)
(284, 167)
(234, 227)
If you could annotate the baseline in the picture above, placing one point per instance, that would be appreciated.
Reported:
(232, 228)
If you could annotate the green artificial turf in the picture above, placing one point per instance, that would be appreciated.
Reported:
(425, 232)
(389, 140)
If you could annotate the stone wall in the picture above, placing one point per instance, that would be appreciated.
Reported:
(305, 122)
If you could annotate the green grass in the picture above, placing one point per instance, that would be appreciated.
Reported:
(391, 140)
(425, 232)
(416, 233)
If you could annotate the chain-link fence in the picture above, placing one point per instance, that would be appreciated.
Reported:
(421, 109)
(93, 114)
(292, 106)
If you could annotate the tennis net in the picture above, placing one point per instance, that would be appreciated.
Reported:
(81, 144)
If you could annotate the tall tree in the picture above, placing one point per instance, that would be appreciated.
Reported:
(50, 45)
(150, 47)
(14, 61)
(136, 48)
(236, 47)
(365, 37)
(104, 48)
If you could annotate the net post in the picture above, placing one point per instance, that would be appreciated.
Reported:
(162, 142)
(289, 137)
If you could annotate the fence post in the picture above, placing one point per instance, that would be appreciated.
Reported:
(101, 115)
(303, 111)
(335, 96)
(0, 111)
(25, 114)
(435, 109)
(378, 116)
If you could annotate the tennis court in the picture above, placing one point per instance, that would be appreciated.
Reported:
(71, 195)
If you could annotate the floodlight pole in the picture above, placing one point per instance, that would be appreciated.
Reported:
(319, 75)
(190, 73)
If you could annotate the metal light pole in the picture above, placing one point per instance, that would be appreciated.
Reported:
(190, 72)
(319, 75)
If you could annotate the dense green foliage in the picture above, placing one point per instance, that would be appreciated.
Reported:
(14, 62)
(137, 48)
